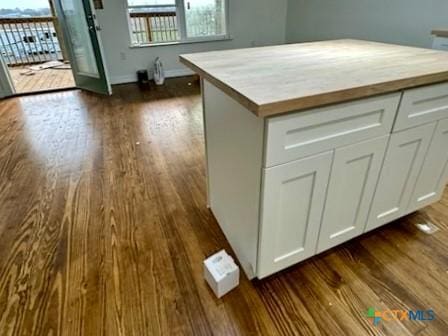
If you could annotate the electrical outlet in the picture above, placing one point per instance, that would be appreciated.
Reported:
(123, 56)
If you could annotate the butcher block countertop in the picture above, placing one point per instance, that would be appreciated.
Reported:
(274, 80)
(440, 32)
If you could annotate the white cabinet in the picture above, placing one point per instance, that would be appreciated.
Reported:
(292, 206)
(352, 184)
(434, 173)
(422, 105)
(404, 159)
(287, 187)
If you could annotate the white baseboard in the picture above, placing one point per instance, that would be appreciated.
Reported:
(123, 79)
(178, 73)
(132, 78)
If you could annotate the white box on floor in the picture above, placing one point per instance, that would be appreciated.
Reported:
(221, 273)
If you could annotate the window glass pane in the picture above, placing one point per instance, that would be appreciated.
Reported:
(81, 43)
(205, 17)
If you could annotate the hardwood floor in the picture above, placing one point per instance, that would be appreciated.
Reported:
(104, 228)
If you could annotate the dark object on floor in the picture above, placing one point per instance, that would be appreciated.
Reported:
(142, 77)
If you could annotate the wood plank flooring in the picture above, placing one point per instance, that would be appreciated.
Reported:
(104, 228)
(48, 79)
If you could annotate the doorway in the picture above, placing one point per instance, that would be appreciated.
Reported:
(45, 45)
(32, 47)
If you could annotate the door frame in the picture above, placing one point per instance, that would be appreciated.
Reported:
(7, 88)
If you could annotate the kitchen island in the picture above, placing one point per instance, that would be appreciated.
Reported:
(310, 145)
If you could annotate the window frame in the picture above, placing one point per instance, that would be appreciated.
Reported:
(181, 22)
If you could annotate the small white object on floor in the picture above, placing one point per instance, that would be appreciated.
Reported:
(221, 273)
(427, 228)
(27, 73)
(159, 73)
(46, 65)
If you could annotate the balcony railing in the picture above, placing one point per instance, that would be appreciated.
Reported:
(29, 40)
(158, 24)
(154, 27)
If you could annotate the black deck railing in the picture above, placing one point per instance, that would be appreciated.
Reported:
(154, 27)
(29, 40)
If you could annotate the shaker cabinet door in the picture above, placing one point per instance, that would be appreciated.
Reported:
(293, 201)
(402, 165)
(352, 184)
(434, 174)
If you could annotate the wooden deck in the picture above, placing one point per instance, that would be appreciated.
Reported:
(42, 80)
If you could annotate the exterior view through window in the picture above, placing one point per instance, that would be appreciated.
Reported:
(164, 21)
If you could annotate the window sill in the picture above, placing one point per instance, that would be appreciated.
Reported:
(172, 43)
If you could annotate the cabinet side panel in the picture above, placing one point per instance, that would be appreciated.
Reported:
(234, 139)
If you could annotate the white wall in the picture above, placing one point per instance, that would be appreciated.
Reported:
(407, 22)
(252, 22)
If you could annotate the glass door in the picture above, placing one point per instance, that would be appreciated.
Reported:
(80, 31)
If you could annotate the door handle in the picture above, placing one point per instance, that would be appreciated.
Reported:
(94, 28)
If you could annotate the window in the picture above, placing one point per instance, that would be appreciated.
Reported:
(165, 21)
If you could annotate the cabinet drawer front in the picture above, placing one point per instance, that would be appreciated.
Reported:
(352, 184)
(293, 201)
(434, 174)
(297, 135)
(422, 105)
(402, 164)
(440, 43)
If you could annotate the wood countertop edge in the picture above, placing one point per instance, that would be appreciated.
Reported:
(343, 96)
(324, 99)
(243, 100)
(440, 32)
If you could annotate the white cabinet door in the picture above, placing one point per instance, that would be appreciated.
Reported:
(293, 201)
(399, 174)
(353, 180)
(434, 174)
